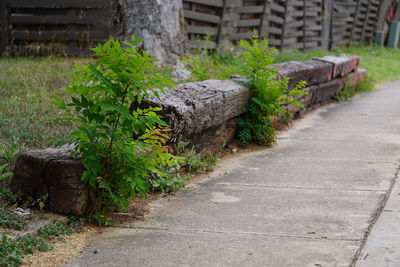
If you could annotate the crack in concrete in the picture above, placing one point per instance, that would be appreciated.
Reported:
(262, 186)
(316, 139)
(348, 160)
(207, 231)
(375, 217)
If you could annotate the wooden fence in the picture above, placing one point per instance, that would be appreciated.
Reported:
(71, 26)
(53, 26)
(287, 24)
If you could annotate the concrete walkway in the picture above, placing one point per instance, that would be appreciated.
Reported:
(312, 200)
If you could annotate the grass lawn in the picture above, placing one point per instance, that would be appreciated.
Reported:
(28, 120)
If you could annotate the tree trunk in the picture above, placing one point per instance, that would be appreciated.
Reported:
(159, 23)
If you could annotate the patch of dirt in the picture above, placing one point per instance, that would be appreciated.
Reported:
(137, 210)
(63, 251)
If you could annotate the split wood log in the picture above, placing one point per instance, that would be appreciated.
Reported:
(196, 106)
(52, 172)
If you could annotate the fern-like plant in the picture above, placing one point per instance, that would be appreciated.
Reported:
(270, 95)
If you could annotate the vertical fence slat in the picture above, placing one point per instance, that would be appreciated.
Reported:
(355, 20)
(327, 24)
(4, 33)
(383, 10)
(397, 13)
(365, 23)
(284, 25)
(227, 24)
(222, 37)
(264, 26)
(304, 24)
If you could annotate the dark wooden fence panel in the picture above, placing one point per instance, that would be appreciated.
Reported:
(55, 26)
(3, 27)
(71, 26)
(287, 24)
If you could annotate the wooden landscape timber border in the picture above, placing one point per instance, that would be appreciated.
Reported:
(287, 24)
(42, 27)
(204, 113)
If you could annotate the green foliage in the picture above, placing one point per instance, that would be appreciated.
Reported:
(121, 146)
(30, 244)
(194, 162)
(3, 173)
(55, 231)
(206, 65)
(7, 197)
(347, 92)
(270, 96)
(12, 251)
(9, 219)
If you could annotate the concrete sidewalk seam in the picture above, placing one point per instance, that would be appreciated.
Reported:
(375, 217)
(262, 186)
(205, 231)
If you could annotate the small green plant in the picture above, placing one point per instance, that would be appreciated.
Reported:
(9, 219)
(3, 173)
(121, 146)
(270, 95)
(11, 152)
(30, 244)
(7, 197)
(55, 231)
(12, 251)
(194, 162)
(347, 92)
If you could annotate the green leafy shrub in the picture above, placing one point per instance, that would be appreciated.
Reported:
(347, 92)
(270, 96)
(7, 197)
(9, 219)
(121, 146)
(55, 230)
(12, 251)
(30, 244)
(3, 173)
(194, 162)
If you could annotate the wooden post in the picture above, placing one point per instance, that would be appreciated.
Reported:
(397, 13)
(227, 23)
(365, 23)
(304, 24)
(355, 19)
(383, 11)
(287, 8)
(4, 31)
(264, 27)
(327, 24)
